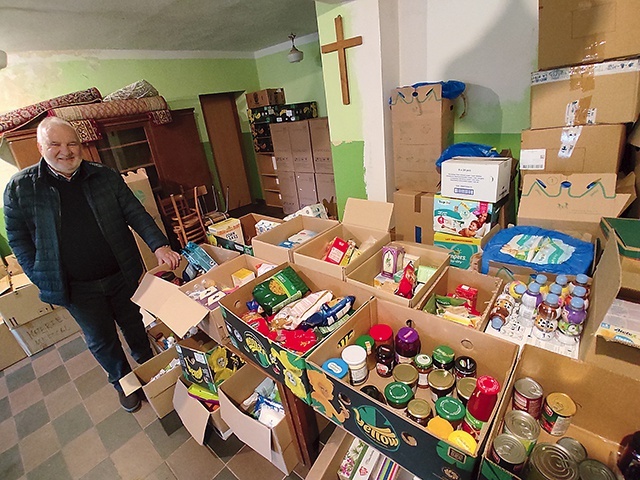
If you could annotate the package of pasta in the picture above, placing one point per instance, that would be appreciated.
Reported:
(279, 290)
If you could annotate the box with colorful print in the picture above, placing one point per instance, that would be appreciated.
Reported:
(464, 251)
(278, 347)
(291, 112)
(389, 429)
(466, 218)
(251, 225)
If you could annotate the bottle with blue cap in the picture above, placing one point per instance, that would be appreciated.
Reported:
(557, 290)
(581, 280)
(541, 280)
(529, 306)
(546, 321)
(563, 281)
(579, 292)
(572, 321)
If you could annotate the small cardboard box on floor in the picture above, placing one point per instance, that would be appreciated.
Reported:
(607, 406)
(248, 224)
(363, 219)
(159, 392)
(174, 307)
(44, 331)
(21, 304)
(266, 246)
(429, 256)
(276, 444)
(10, 350)
(414, 216)
(283, 365)
(388, 429)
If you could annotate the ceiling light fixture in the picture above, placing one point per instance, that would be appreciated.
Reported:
(294, 55)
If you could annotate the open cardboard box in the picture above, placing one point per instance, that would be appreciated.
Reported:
(10, 350)
(573, 204)
(607, 405)
(362, 220)
(248, 223)
(266, 246)
(276, 444)
(44, 331)
(173, 306)
(414, 216)
(463, 250)
(430, 256)
(283, 365)
(196, 418)
(488, 289)
(21, 303)
(159, 392)
(388, 429)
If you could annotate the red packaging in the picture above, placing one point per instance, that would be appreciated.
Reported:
(336, 251)
(407, 282)
(470, 294)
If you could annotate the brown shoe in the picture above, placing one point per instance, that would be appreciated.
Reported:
(131, 403)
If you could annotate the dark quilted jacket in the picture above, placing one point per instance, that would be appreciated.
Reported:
(32, 216)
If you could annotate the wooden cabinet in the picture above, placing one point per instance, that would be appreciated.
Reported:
(172, 154)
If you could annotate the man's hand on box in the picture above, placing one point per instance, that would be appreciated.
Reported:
(167, 256)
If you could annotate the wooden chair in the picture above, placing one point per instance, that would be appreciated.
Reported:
(200, 205)
(185, 222)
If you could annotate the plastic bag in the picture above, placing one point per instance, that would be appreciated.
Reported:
(466, 149)
(451, 89)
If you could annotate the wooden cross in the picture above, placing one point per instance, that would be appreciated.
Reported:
(340, 45)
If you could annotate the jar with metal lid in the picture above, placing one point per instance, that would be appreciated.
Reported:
(465, 367)
(575, 448)
(441, 383)
(336, 367)
(522, 426)
(356, 358)
(444, 358)
(508, 453)
(424, 365)
(366, 342)
(551, 462)
(406, 373)
(398, 395)
(591, 469)
(407, 344)
(385, 360)
(382, 334)
(451, 409)
(464, 389)
(419, 411)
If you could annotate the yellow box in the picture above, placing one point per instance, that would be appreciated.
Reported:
(242, 276)
(231, 229)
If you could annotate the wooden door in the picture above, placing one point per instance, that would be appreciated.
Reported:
(223, 127)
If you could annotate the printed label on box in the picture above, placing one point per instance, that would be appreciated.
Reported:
(533, 159)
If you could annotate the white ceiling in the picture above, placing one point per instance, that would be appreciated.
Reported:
(164, 25)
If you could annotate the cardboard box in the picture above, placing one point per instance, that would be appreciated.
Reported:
(488, 289)
(195, 416)
(266, 97)
(44, 331)
(266, 246)
(466, 218)
(626, 232)
(602, 93)
(572, 204)
(260, 129)
(362, 220)
(171, 304)
(321, 145)
(13, 267)
(414, 216)
(606, 404)
(10, 350)
(476, 178)
(307, 193)
(464, 251)
(430, 256)
(282, 147)
(22, 303)
(326, 188)
(159, 392)
(300, 139)
(248, 227)
(229, 229)
(621, 324)
(422, 125)
(331, 455)
(288, 191)
(276, 443)
(281, 364)
(388, 429)
(262, 145)
(291, 112)
(572, 32)
(580, 149)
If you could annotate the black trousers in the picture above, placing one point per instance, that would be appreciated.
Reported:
(98, 306)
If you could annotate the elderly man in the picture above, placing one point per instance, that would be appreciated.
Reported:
(68, 224)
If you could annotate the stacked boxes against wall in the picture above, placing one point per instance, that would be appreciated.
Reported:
(304, 165)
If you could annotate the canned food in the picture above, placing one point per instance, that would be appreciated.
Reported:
(591, 469)
(464, 389)
(551, 462)
(557, 411)
(574, 447)
(523, 427)
(527, 396)
(465, 367)
(441, 383)
(419, 411)
(508, 453)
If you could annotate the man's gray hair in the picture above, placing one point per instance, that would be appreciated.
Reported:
(51, 122)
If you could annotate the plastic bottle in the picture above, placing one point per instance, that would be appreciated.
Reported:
(572, 321)
(542, 281)
(530, 301)
(579, 292)
(564, 283)
(546, 321)
(557, 290)
(516, 289)
(581, 280)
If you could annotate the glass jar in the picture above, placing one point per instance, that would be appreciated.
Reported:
(441, 383)
(356, 358)
(406, 374)
(385, 360)
(407, 345)
(424, 365)
(419, 411)
(451, 409)
(366, 342)
(464, 389)
(444, 357)
(373, 392)
(398, 395)
(465, 367)
(382, 334)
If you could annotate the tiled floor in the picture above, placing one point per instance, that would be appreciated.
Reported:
(60, 419)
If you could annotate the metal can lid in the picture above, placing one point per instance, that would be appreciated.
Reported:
(561, 404)
(398, 393)
(450, 409)
(529, 388)
(336, 367)
(443, 354)
(574, 447)
(591, 469)
(440, 379)
(354, 355)
(466, 365)
(422, 360)
(419, 408)
(522, 425)
(366, 342)
(405, 373)
(554, 462)
(510, 449)
(381, 332)
(465, 387)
